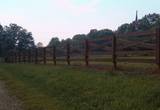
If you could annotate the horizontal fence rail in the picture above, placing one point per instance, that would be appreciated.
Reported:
(148, 33)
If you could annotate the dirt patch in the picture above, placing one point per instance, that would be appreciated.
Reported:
(8, 102)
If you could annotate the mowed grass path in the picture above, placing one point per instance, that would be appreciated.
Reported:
(46, 87)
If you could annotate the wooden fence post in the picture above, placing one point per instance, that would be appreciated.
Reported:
(158, 46)
(87, 52)
(9, 59)
(5, 59)
(29, 56)
(36, 55)
(44, 55)
(12, 58)
(54, 55)
(15, 56)
(19, 57)
(24, 57)
(114, 48)
(32, 55)
(68, 53)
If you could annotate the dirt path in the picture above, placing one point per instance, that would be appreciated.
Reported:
(8, 102)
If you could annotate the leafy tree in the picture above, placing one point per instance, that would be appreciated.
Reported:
(15, 37)
(1, 38)
(24, 40)
(94, 34)
(145, 24)
(79, 37)
(124, 28)
(10, 36)
(54, 42)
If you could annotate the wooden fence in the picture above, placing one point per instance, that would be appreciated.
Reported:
(40, 55)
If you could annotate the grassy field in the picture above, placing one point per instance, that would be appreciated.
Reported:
(46, 87)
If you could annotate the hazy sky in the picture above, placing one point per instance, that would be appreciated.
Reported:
(65, 18)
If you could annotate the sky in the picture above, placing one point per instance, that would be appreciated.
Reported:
(65, 18)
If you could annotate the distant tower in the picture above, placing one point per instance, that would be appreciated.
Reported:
(136, 16)
(136, 21)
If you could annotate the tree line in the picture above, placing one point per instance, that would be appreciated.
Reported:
(145, 23)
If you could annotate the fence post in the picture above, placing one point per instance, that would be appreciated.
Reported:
(19, 56)
(12, 58)
(36, 55)
(5, 59)
(32, 55)
(29, 55)
(114, 48)
(158, 46)
(44, 55)
(54, 55)
(87, 52)
(8, 59)
(24, 57)
(15, 56)
(68, 53)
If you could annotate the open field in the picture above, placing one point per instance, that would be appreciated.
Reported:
(46, 87)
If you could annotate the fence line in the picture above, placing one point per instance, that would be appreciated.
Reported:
(32, 55)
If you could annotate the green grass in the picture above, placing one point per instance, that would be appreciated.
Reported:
(46, 87)
(106, 58)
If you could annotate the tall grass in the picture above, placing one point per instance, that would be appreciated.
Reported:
(48, 87)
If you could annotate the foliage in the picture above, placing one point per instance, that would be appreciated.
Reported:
(15, 37)
(54, 42)
(147, 22)
(94, 34)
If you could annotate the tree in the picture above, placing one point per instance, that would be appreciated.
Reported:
(15, 37)
(94, 34)
(79, 37)
(24, 40)
(54, 42)
(123, 28)
(39, 44)
(10, 36)
(145, 24)
(1, 38)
